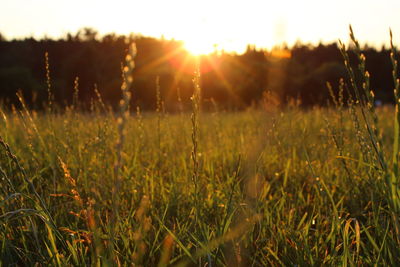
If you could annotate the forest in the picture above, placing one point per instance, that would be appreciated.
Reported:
(84, 61)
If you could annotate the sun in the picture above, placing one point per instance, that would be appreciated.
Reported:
(198, 46)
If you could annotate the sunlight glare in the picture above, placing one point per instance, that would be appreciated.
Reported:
(199, 47)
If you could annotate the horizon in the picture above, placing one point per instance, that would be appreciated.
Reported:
(206, 27)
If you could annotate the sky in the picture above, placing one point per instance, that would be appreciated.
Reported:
(208, 24)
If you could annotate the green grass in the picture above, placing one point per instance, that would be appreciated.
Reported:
(280, 171)
(252, 188)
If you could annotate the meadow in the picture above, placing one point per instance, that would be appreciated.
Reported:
(261, 187)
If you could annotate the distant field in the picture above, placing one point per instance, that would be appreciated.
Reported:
(273, 188)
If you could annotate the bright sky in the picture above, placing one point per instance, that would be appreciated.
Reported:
(229, 24)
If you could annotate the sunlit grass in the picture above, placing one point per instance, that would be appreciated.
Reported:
(290, 182)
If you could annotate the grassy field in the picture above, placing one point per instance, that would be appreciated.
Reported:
(254, 188)
(272, 189)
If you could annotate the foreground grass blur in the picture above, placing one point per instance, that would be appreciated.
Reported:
(273, 188)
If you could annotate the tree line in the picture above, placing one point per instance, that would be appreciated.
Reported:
(86, 63)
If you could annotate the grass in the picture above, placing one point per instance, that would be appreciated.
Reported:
(252, 188)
